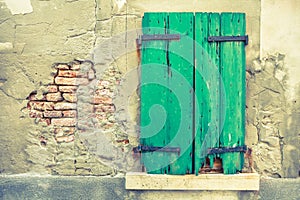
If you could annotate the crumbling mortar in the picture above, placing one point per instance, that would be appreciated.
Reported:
(264, 113)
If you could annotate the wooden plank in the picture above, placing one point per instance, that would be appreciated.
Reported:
(201, 91)
(233, 75)
(236, 182)
(180, 93)
(213, 83)
(153, 93)
(207, 85)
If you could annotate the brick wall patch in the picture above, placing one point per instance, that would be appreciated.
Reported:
(74, 106)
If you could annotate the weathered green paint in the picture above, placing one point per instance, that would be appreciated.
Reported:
(154, 55)
(178, 77)
(207, 83)
(201, 90)
(232, 56)
(175, 95)
(213, 82)
(180, 119)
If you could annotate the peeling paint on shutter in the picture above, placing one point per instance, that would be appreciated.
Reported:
(171, 114)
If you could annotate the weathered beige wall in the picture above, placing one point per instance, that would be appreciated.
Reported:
(59, 31)
(251, 8)
(54, 31)
(280, 32)
(274, 90)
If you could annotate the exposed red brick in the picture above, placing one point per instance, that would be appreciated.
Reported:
(47, 121)
(67, 88)
(67, 139)
(70, 97)
(103, 92)
(71, 74)
(102, 100)
(52, 88)
(37, 105)
(65, 106)
(52, 114)
(31, 97)
(69, 113)
(62, 66)
(54, 96)
(35, 114)
(64, 131)
(104, 108)
(64, 121)
(75, 66)
(71, 81)
(125, 141)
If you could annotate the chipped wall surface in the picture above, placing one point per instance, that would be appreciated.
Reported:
(100, 35)
(280, 33)
(17, 7)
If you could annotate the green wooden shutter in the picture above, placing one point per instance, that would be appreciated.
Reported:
(206, 86)
(154, 93)
(164, 75)
(169, 72)
(221, 114)
(233, 69)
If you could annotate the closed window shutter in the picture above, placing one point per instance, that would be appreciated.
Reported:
(166, 77)
(192, 91)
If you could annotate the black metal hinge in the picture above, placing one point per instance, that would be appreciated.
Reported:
(243, 38)
(157, 37)
(227, 149)
(141, 148)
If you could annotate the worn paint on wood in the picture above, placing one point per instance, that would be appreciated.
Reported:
(175, 94)
(206, 85)
(171, 64)
(180, 96)
(154, 93)
(201, 90)
(232, 56)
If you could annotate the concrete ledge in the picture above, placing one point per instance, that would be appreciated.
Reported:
(106, 188)
(236, 182)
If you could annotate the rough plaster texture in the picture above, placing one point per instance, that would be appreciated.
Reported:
(48, 35)
(59, 31)
(280, 33)
(270, 132)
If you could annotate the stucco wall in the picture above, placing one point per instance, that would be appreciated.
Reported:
(105, 32)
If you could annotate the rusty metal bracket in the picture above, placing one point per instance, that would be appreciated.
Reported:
(141, 149)
(157, 37)
(243, 38)
(227, 150)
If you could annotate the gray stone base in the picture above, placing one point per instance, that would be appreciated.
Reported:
(111, 188)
